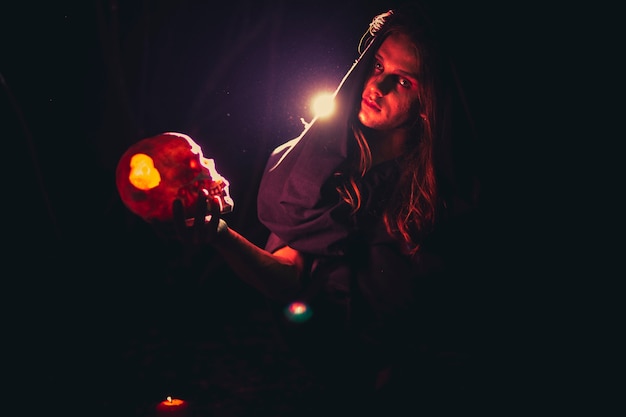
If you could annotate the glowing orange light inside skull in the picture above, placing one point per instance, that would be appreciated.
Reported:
(143, 174)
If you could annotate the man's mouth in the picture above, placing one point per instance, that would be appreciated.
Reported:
(370, 104)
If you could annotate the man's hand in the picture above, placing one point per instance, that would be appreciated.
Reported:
(205, 225)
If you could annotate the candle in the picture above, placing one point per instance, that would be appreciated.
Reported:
(172, 407)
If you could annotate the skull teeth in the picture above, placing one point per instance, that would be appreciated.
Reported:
(213, 191)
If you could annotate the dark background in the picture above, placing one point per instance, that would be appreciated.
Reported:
(105, 315)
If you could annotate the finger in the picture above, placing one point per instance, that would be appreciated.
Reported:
(215, 211)
(215, 208)
(200, 216)
(200, 209)
(179, 219)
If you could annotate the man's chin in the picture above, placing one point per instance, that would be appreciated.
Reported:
(366, 120)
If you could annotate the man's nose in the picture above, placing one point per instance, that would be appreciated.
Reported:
(382, 83)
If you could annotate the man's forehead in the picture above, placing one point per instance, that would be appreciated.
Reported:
(398, 50)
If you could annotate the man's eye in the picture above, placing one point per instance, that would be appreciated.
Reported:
(404, 82)
(378, 67)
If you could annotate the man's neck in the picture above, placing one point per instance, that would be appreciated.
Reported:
(386, 145)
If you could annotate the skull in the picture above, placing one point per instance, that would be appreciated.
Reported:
(155, 171)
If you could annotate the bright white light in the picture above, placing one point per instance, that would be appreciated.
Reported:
(323, 104)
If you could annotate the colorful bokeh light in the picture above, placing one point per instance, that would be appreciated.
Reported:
(298, 312)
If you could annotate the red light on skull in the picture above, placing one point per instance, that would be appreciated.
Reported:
(155, 171)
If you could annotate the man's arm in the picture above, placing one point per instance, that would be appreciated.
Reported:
(277, 275)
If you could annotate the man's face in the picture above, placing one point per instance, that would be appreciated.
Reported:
(390, 95)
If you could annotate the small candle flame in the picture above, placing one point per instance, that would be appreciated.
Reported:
(169, 399)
